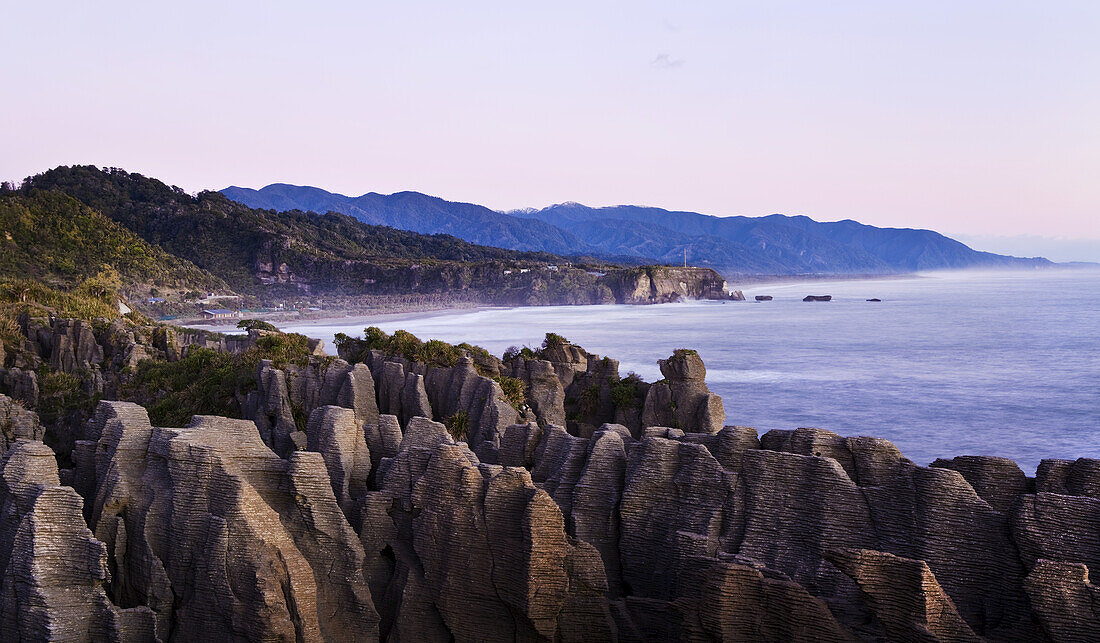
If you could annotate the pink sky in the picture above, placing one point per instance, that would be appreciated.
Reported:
(975, 118)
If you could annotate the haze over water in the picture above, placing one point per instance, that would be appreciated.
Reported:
(948, 364)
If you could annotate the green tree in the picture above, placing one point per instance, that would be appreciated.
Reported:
(256, 324)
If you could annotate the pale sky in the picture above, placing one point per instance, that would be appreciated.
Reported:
(974, 117)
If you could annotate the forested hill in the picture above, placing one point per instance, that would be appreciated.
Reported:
(54, 239)
(158, 235)
(249, 248)
(774, 244)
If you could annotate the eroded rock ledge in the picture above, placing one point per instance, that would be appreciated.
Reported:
(373, 521)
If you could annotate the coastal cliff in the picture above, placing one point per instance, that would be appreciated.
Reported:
(414, 490)
(662, 284)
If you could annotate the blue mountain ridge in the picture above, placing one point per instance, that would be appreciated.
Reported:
(774, 244)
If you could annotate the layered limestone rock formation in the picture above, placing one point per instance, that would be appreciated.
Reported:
(16, 424)
(458, 394)
(52, 570)
(99, 353)
(220, 537)
(683, 400)
(380, 516)
(321, 382)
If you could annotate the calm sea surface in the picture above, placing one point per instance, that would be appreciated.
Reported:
(947, 364)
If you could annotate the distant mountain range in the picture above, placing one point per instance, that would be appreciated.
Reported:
(419, 213)
(775, 244)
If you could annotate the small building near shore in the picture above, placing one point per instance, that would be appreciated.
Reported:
(219, 313)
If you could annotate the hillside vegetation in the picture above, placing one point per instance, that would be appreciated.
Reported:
(54, 239)
(253, 250)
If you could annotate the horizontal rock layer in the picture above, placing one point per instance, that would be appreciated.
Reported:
(384, 516)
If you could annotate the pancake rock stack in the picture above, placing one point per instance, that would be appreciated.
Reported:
(414, 502)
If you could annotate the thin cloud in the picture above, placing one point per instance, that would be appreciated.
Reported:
(665, 61)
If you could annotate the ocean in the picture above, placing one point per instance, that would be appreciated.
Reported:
(1004, 364)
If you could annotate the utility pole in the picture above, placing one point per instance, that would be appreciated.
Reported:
(685, 257)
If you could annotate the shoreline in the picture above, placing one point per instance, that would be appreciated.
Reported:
(350, 316)
(402, 313)
(750, 285)
(748, 364)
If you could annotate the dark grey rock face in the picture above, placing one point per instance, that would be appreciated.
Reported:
(335, 433)
(269, 407)
(999, 481)
(545, 393)
(1065, 601)
(376, 519)
(1079, 477)
(903, 595)
(17, 423)
(52, 570)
